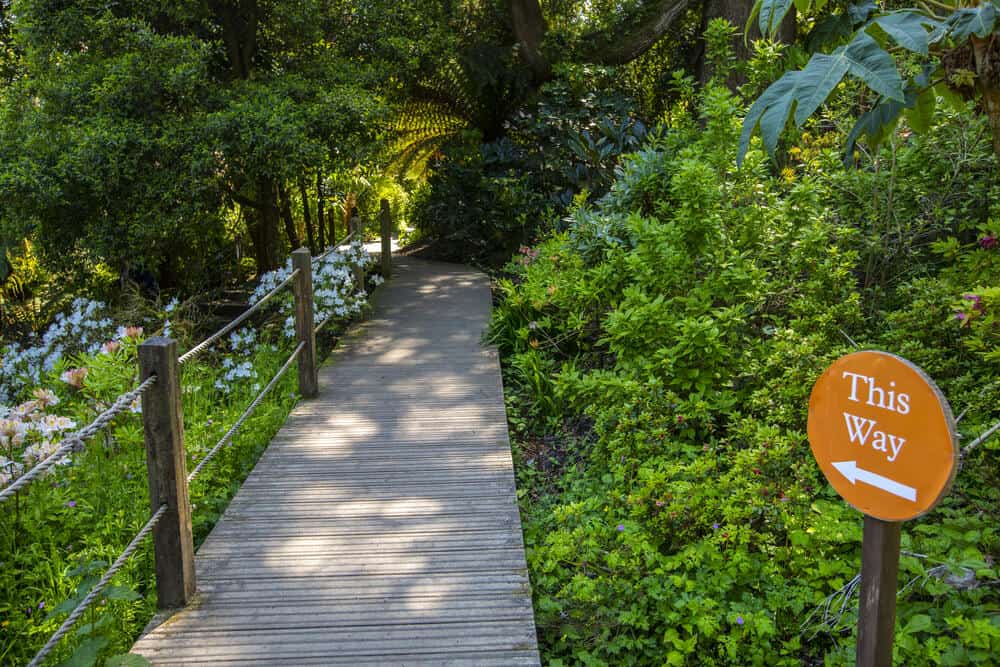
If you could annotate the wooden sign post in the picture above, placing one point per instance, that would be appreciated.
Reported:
(884, 437)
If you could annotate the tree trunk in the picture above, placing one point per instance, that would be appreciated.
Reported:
(620, 47)
(529, 29)
(307, 217)
(987, 55)
(286, 216)
(737, 12)
(320, 212)
(262, 225)
(239, 32)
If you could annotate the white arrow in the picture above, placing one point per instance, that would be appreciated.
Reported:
(853, 473)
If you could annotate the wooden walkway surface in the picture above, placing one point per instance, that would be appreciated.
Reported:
(381, 525)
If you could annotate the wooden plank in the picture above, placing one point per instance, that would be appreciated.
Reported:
(381, 525)
(462, 659)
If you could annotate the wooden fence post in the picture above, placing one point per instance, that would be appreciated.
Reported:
(385, 219)
(166, 466)
(359, 271)
(877, 606)
(303, 290)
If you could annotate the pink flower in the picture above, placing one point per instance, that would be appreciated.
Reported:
(977, 301)
(111, 347)
(44, 398)
(133, 332)
(988, 242)
(74, 377)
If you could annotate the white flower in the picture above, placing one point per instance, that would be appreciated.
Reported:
(9, 471)
(12, 432)
(38, 452)
(52, 424)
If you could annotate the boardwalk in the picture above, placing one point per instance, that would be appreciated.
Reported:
(380, 526)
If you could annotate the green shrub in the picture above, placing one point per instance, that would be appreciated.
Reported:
(660, 353)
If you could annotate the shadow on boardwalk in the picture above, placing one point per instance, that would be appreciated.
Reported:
(381, 525)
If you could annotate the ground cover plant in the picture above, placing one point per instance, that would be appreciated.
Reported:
(658, 358)
(58, 535)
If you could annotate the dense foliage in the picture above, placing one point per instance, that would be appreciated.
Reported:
(954, 51)
(659, 355)
(484, 199)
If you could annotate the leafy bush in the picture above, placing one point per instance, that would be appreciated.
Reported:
(484, 200)
(659, 354)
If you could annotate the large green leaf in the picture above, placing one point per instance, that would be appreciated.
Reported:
(922, 113)
(86, 653)
(779, 95)
(978, 21)
(772, 13)
(908, 29)
(860, 11)
(120, 593)
(829, 31)
(806, 90)
(874, 125)
(822, 74)
(872, 64)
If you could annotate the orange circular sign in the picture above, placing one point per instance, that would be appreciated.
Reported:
(883, 434)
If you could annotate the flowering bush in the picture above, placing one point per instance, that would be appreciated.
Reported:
(333, 286)
(83, 329)
(29, 434)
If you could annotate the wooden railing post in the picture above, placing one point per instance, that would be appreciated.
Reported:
(357, 229)
(303, 289)
(879, 581)
(385, 220)
(166, 466)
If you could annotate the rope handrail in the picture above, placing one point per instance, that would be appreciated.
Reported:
(98, 588)
(77, 438)
(334, 247)
(322, 324)
(200, 347)
(246, 414)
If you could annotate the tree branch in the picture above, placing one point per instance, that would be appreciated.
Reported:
(246, 201)
(605, 48)
(624, 46)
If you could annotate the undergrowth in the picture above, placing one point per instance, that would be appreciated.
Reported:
(658, 357)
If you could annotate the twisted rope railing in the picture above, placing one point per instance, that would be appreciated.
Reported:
(246, 414)
(77, 438)
(322, 324)
(202, 346)
(334, 247)
(98, 588)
